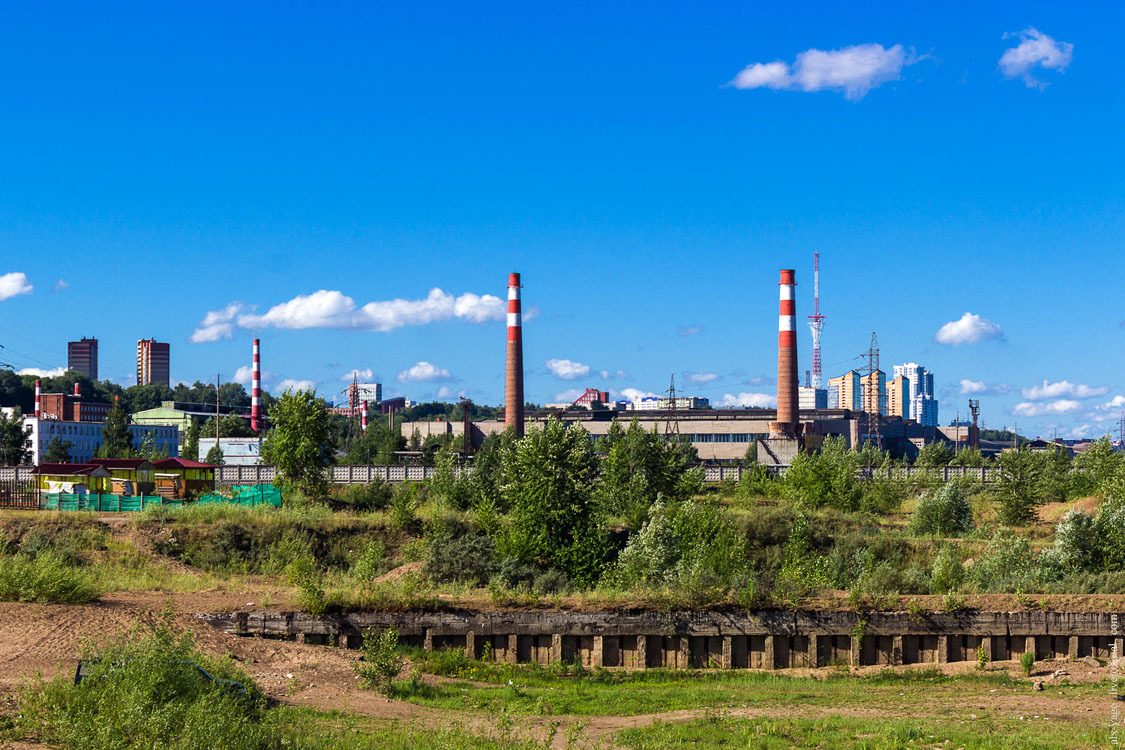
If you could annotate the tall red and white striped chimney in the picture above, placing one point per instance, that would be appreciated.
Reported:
(513, 381)
(788, 424)
(36, 399)
(256, 390)
(363, 416)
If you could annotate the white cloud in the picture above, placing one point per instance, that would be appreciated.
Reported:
(364, 375)
(968, 330)
(747, 401)
(690, 330)
(565, 369)
(289, 384)
(699, 378)
(243, 375)
(39, 372)
(333, 309)
(607, 374)
(14, 284)
(1030, 409)
(60, 285)
(567, 396)
(447, 392)
(1081, 430)
(854, 70)
(1035, 49)
(635, 394)
(1061, 389)
(423, 372)
(969, 387)
(1117, 402)
(217, 324)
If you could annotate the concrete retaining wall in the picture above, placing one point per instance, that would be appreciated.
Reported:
(767, 639)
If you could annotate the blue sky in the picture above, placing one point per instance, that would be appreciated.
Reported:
(166, 163)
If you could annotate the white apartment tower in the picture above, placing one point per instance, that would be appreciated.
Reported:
(922, 404)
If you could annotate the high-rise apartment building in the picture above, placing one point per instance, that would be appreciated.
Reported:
(153, 362)
(874, 398)
(82, 357)
(898, 397)
(922, 404)
(845, 392)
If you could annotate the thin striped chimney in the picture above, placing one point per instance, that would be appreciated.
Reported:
(363, 416)
(36, 399)
(513, 391)
(788, 415)
(77, 390)
(256, 390)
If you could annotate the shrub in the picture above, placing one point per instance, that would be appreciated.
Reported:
(304, 574)
(405, 500)
(882, 494)
(149, 692)
(1006, 564)
(464, 557)
(1111, 529)
(513, 573)
(826, 478)
(934, 455)
(1022, 484)
(381, 661)
(758, 481)
(944, 511)
(947, 574)
(1077, 541)
(45, 578)
(371, 562)
(1027, 662)
(375, 495)
(551, 582)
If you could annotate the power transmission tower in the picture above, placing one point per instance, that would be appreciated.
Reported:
(672, 423)
(871, 394)
(1121, 429)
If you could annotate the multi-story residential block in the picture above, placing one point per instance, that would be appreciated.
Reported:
(82, 357)
(847, 390)
(922, 403)
(153, 362)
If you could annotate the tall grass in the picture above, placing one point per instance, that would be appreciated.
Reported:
(45, 578)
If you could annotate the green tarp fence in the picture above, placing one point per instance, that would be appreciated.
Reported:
(262, 494)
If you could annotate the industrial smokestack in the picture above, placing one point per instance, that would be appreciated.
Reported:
(77, 391)
(788, 421)
(256, 390)
(36, 399)
(363, 417)
(513, 391)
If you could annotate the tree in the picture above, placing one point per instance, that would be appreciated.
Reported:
(299, 444)
(15, 440)
(191, 442)
(1020, 485)
(826, 478)
(214, 456)
(230, 425)
(58, 452)
(555, 521)
(1095, 467)
(967, 456)
(149, 449)
(117, 440)
(935, 455)
(376, 446)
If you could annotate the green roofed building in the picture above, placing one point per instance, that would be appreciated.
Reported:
(180, 415)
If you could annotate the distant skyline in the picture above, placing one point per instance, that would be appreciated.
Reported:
(353, 184)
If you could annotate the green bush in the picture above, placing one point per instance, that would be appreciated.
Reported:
(826, 478)
(381, 661)
(947, 574)
(375, 495)
(405, 502)
(1027, 662)
(304, 574)
(1111, 530)
(1006, 565)
(148, 693)
(45, 578)
(944, 511)
(466, 557)
(372, 561)
(1022, 485)
(1077, 541)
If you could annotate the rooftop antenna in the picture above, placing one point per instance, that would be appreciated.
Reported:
(816, 325)
(974, 409)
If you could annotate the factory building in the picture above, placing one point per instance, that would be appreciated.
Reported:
(85, 438)
(64, 407)
(661, 403)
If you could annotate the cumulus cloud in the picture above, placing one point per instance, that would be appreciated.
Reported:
(447, 392)
(969, 329)
(969, 387)
(692, 330)
(365, 374)
(14, 284)
(423, 372)
(217, 324)
(334, 309)
(39, 372)
(854, 70)
(1081, 430)
(565, 369)
(567, 396)
(289, 384)
(245, 375)
(1035, 50)
(60, 285)
(747, 401)
(1117, 402)
(699, 378)
(607, 374)
(634, 394)
(1038, 409)
(1063, 389)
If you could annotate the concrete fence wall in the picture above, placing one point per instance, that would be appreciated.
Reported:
(363, 474)
(769, 639)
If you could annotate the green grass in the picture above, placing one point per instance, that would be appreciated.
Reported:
(47, 577)
(867, 733)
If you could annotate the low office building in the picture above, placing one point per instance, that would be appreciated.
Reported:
(85, 438)
(236, 451)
